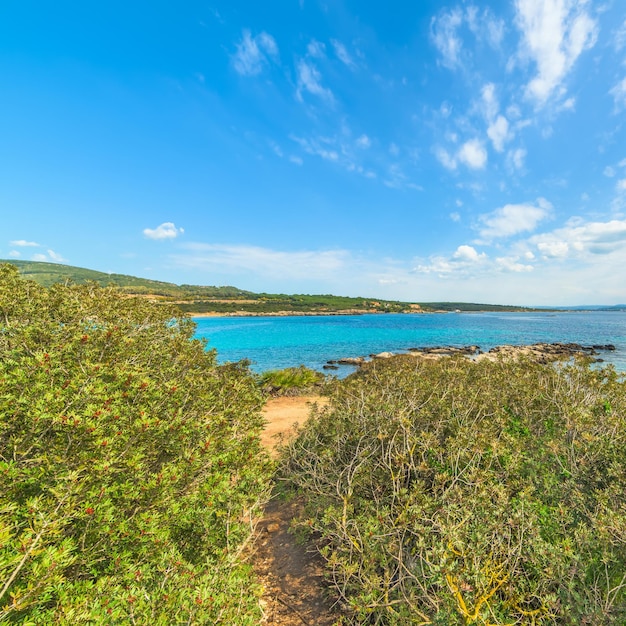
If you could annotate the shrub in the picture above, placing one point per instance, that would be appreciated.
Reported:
(291, 380)
(130, 463)
(460, 493)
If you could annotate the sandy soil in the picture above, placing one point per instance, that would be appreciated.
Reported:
(283, 413)
(291, 573)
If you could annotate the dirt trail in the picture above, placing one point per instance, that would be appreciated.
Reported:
(291, 573)
(283, 413)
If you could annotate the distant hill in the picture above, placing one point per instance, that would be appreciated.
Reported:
(471, 306)
(47, 274)
(231, 300)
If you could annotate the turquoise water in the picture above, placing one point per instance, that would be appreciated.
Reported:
(278, 342)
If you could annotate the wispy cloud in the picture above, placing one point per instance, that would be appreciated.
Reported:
(316, 49)
(167, 230)
(264, 262)
(619, 94)
(580, 239)
(473, 154)
(363, 142)
(465, 259)
(555, 33)
(443, 32)
(50, 257)
(310, 80)
(342, 53)
(515, 158)
(513, 219)
(485, 26)
(321, 147)
(254, 53)
(22, 243)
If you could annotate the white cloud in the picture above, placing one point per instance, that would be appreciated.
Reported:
(555, 33)
(499, 133)
(515, 158)
(513, 219)
(609, 171)
(321, 147)
(590, 240)
(316, 49)
(621, 184)
(22, 243)
(469, 254)
(363, 142)
(512, 264)
(14, 254)
(309, 79)
(620, 37)
(455, 216)
(50, 257)
(55, 257)
(486, 26)
(167, 230)
(445, 158)
(276, 149)
(254, 53)
(619, 94)
(397, 179)
(473, 154)
(342, 54)
(296, 159)
(463, 262)
(490, 102)
(285, 265)
(393, 149)
(443, 31)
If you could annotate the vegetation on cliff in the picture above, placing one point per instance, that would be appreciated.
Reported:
(130, 463)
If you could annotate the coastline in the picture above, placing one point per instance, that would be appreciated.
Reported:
(304, 313)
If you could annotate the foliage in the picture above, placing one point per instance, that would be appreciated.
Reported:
(48, 274)
(473, 307)
(226, 299)
(456, 493)
(290, 380)
(130, 463)
(202, 299)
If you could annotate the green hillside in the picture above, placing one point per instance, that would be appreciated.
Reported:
(206, 299)
(472, 306)
(47, 274)
(196, 299)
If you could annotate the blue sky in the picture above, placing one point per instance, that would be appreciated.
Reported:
(419, 151)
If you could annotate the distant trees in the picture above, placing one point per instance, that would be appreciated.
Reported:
(130, 463)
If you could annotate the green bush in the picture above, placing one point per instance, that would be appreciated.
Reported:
(291, 380)
(130, 463)
(460, 493)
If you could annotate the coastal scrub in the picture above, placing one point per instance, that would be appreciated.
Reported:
(459, 493)
(130, 463)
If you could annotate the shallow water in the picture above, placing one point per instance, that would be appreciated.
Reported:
(278, 342)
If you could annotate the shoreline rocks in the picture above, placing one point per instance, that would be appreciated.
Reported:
(540, 352)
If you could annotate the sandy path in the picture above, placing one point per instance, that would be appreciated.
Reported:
(282, 413)
(291, 573)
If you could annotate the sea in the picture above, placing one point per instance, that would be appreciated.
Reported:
(270, 343)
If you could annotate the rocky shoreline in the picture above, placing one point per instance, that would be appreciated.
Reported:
(539, 352)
